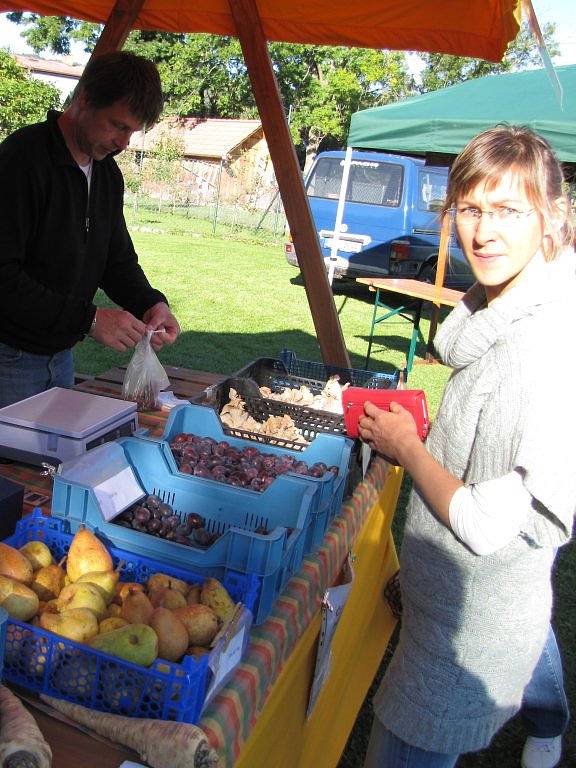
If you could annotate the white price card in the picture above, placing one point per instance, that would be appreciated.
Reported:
(333, 604)
(131, 764)
(118, 492)
(227, 660)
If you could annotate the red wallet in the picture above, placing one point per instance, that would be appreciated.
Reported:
(414, 400)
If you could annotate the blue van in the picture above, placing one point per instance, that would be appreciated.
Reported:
(390, 223)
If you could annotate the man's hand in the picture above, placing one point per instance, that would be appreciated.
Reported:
(117, 329)
(159, 318)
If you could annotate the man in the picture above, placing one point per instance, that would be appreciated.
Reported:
(63, 234)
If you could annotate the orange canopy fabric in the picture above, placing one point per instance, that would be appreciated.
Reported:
(478, 28)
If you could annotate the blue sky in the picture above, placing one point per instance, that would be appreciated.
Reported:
(561, 12)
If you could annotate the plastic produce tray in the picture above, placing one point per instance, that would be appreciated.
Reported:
(48, 663)
(310, 422)
(333, 450)
(284, 509)
(289, 371)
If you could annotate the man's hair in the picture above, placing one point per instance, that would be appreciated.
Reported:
(494, 152)
(123, 76)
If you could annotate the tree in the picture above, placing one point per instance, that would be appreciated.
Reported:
(165, 163)
(55, 33)
(442, 70)
(205, 76)
(322, 86)
(23, 99)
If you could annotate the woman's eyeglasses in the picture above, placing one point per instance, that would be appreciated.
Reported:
(503, 215)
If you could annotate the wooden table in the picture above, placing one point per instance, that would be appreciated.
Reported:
(413, 289)
(278, 724)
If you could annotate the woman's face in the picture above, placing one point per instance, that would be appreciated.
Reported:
(498, 249)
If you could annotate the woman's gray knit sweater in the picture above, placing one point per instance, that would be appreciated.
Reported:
(473, 627)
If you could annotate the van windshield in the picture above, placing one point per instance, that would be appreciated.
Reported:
(372, 182)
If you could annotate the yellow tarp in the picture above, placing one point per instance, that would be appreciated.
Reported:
(479, 28)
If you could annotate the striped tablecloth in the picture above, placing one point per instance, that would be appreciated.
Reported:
(232, 714)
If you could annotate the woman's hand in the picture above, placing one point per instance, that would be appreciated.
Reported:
(388, 432)
(394, 435)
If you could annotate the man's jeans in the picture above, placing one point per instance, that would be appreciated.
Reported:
(23, 374)
(544, 705)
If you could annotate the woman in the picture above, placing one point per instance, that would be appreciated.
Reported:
(495, 485)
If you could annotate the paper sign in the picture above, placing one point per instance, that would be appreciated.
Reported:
(117, 493)
(366, 458)
(226, 661)
(333, 603)
(131, 764)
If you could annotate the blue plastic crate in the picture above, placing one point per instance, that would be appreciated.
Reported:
(3, 622)
(48, 663)
(311, 373)
(332, 449)
(284, 509)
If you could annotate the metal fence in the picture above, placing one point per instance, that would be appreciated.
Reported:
(221, 194)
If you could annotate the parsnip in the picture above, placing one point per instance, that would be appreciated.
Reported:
(21, 742)
(160, 743)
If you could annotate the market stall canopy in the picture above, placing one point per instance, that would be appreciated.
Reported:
(444, 121)
(484, 30)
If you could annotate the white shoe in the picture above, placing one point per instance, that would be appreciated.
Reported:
(542, 753)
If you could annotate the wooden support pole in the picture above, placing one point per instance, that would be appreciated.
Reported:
(290, 182)
(118, 26)
(440, 272)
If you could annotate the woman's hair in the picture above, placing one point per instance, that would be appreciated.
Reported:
(494, 152)
(123, 76)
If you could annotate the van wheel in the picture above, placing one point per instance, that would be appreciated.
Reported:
(427, 274)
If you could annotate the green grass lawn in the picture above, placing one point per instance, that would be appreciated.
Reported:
(237, 299)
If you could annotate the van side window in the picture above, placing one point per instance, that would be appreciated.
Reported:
(431, 190)
(372, 183)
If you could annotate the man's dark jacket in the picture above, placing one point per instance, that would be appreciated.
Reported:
(58, 244)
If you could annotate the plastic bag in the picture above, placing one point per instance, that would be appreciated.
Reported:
(145, 377)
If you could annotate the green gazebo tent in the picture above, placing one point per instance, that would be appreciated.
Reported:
(444, 121)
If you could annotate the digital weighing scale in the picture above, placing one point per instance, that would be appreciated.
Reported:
(60, 424)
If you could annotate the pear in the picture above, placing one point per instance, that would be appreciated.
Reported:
(105, 580)
(51, 606)
(18, 600)
(123, 588)
(87, 554)
(113, 610)
(110, 623)
(79, 624)
(137, 608)
(200, 621)
(172, 634)
(163, 580)
(38, 554)
(14, 564)
(193, 595)
(197, 651)
(48, 581)
(136, 643)
(215, 596)
(167, 598)
(82, 595)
